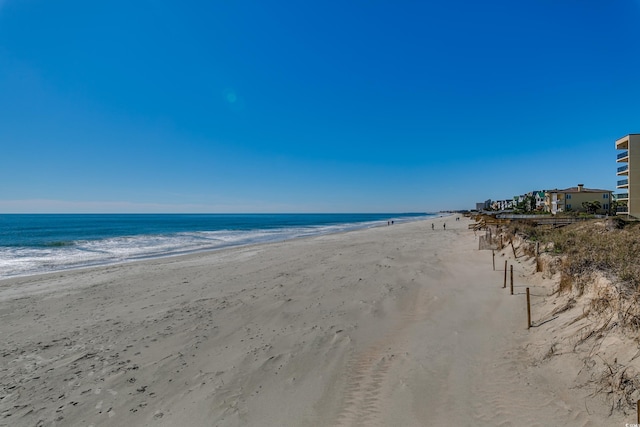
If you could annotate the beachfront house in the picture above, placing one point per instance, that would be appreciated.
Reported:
(529, 202)
(628, 199)
(502, 205)
(539, 197)
(578, 199)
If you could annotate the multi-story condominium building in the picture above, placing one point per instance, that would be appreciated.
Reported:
(573, 199)
(484, 206)
(629, 175)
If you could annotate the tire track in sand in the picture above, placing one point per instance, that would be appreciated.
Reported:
(366, 372)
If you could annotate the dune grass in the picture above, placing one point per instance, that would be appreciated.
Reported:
(610, 246)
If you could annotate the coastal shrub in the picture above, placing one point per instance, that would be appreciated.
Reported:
(611, 246)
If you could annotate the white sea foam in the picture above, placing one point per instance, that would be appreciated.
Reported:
(26, 261)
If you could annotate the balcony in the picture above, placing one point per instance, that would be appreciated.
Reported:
(622, 196)
(623, 170)
(622, 210)
(623, 155)
(623, 183)
(622, 143)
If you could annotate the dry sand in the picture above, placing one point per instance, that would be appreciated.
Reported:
(392, 326)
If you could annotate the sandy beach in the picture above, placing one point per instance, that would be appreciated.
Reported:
(391, 326)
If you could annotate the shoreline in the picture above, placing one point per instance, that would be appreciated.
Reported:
(187, 252)
(18, 280)
(399, 325)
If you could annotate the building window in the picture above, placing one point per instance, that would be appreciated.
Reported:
(568, 206)
(606, 207)
(605, 196)
(568, 196)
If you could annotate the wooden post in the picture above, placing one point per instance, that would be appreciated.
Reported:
(537, 259)
(528, 310)
(494, 259)
(501, 245)
(505, 274)
(514, 249)
(511, 267)
(638, 410)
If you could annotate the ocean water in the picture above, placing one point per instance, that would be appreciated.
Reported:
(40, 243)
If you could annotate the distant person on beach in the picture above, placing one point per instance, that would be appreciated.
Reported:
(444, 225)
(432, 226)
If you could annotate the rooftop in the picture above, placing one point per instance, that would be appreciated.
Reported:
(578, 190)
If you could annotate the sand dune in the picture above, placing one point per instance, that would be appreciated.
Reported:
(392, 326)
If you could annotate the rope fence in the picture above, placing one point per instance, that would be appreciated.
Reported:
(509, 268)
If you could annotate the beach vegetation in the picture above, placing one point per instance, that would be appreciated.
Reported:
(526, 205)
(610, 246)
(599, 265)
(591, 207)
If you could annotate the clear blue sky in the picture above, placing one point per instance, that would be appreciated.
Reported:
(299, 106)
